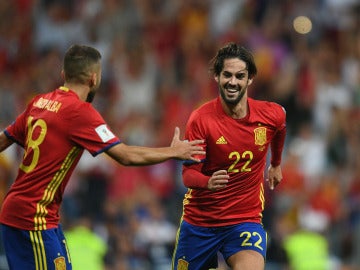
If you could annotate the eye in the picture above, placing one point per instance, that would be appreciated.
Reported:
(240, 76)
(227, 74)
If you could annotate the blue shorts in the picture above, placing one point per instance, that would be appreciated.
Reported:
(35, 250)
(197, 247)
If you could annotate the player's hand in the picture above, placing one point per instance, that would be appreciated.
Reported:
(218, 180)
(274, 176)
(186, 150)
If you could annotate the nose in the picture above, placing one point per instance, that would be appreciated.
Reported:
(233, 80)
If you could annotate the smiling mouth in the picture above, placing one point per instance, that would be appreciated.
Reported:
(232, 90)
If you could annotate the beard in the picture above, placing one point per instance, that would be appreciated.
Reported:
(240, 93)
(93, 89)
(90, 96)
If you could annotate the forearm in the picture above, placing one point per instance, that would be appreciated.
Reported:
(193, 178)
(138, 155)
(277, 146)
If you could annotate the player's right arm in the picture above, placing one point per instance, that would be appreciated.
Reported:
(194, 179)
(130, 155)
(5, 142)
(192, 174)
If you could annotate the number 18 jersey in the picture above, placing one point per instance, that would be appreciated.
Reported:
(54, 130)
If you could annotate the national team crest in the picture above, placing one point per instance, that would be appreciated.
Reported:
(260, 135)
(60, 263)
(182, 265)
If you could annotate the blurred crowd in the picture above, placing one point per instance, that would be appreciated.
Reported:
(155, 72)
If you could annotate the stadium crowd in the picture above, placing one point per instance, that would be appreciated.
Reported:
(155, 72)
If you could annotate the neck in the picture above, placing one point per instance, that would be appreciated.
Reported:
(80, 89)
(237, 111)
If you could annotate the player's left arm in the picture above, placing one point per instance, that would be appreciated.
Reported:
(277, 145)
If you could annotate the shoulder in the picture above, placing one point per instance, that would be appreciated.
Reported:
(85, 110)
(204, 110)
(262, 106)
(202, 117)
(267, 110)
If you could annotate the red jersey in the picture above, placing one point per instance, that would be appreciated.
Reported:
(239, 146)
(54, 130)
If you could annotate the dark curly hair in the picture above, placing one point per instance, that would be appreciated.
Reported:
(233, 50)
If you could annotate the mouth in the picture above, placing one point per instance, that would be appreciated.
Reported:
(232, 89)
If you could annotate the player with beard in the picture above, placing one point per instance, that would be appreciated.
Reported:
(222, 209)
(54, 130)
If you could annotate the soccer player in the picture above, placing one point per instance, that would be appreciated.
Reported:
(222, 209)
(54, 130)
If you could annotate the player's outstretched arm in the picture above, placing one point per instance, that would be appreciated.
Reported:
(5, 142)
(130, 155)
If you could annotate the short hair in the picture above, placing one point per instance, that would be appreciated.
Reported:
(79, 62)
(233, 50)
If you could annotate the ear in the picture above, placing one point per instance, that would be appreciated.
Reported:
(216, 77)
(63, 74)
(250, 81)
(93, 79)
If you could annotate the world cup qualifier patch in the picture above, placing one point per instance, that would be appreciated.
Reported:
(104, 133)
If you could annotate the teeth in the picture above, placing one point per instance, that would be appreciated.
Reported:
(231, 90)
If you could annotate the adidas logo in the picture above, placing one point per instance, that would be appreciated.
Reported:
(221, 140)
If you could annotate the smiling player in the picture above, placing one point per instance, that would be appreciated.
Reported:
(222, 209)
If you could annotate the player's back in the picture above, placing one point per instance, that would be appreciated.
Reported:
(44, 129)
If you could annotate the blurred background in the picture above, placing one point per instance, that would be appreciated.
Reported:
(155, 72)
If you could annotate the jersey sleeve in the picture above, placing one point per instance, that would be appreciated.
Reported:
(195, 130)
(278, 141)
(89, 130)
(192, 176)
(16, 131)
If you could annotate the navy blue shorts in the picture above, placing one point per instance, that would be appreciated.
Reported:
(35, 250)
(197, 247)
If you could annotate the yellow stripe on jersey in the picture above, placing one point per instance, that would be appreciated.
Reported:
(39, 250)
(48, 197)
(262, 197)
(176, 243)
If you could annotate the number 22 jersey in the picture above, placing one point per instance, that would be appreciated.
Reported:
(240, 147)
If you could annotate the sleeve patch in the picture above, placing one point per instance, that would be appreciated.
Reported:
(104, 133)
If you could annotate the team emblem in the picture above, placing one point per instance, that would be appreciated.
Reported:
(182, 265)
(60, 263)
(260, 136)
